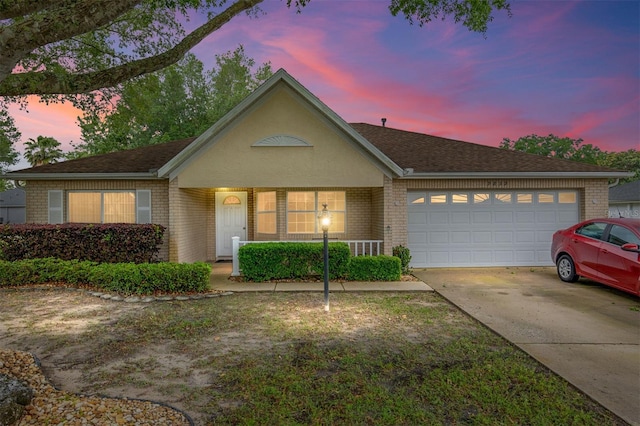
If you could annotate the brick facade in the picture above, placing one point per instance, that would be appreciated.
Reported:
(38, 209)
(372, 213)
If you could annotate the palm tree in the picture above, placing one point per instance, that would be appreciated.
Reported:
(43, 150)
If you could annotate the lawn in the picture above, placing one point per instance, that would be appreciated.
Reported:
(278, 358)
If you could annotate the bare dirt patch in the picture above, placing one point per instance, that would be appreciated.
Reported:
(192, 355)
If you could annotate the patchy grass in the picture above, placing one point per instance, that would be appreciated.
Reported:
(278, 358)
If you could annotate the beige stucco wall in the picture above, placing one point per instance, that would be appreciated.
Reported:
(37, 199)
(232, 161)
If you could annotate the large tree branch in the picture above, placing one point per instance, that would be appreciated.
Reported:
(49, 83)
(61, 22)
(10, 9)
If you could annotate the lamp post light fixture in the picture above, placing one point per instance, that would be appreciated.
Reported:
(325, 222)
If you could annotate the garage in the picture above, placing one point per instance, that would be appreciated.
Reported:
(487, 228)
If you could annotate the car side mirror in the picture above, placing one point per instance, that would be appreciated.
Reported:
(631, 247)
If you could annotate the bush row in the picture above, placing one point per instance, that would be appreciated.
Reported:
(275, 261)
(104, 243)
(124, 278)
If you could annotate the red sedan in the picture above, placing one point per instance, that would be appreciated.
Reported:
(604, 250)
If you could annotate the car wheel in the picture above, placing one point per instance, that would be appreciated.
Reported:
(566, 269)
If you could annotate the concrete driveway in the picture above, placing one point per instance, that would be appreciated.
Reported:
(587, 333)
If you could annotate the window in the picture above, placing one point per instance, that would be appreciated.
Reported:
(502, 198)
(524, 198)
(459, 198)
(231, 200)
(566, 197)
(592, 230)
(266, 212)
(109, 206)
(303, 208)
(620, 235)
(481, 197)
(437, 198)
(545, 197)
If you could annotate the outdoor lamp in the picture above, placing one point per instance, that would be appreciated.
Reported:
(325, 222)
(325, 219)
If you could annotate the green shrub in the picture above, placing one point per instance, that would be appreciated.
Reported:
(112, 243)
(268, 261)
(404, 254)
(125, 278)
(375, 268)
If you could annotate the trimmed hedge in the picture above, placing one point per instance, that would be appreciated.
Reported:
(124, 278)
(104, 243)
(274, 261)
(375, 268)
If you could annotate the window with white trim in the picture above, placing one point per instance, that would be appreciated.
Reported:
(266, 212)
(109, 206)
(304, 207)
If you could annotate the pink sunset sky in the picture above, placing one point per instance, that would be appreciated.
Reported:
(571, 68)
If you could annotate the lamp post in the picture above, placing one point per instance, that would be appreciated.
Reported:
(325, 222)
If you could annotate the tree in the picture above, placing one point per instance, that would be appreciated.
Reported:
(573, 149)
(58, 49)
(626, 160)
(554, 146)
(9, 135)
(180, 101)
(43, 150)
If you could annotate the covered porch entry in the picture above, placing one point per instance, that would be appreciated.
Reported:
(204, 222)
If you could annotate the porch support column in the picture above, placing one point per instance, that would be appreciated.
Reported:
(235, 262)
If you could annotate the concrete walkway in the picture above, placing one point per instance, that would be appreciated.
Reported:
(222, 270)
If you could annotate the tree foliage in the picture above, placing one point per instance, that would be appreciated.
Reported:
(180, 101)
(625, 160)
(554, 146)
(474, 14)
(9, 135)
(574, 150)
(61, 49)
(42, 150)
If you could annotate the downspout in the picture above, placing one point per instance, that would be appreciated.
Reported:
(614, 183)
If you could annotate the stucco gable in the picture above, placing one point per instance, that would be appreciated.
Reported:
(279, 82)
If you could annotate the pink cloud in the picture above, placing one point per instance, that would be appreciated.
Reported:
(54, 120)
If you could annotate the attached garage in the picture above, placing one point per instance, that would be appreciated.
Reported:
(486, 228)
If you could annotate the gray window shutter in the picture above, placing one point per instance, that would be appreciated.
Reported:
(143, 206)
(55, 206)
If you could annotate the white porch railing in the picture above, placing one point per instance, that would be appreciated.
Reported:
(358, 248)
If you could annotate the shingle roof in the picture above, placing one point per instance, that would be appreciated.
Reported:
(432, 154)
(409, 150)
(627, 192)
(138, 160)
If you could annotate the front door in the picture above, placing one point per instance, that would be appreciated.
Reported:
(231, 221)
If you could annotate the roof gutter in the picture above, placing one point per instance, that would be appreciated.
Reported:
(79, 176)
(409, 174)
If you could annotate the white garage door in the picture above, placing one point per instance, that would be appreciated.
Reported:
(486, 228)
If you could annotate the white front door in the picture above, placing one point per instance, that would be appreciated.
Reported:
(231, 221)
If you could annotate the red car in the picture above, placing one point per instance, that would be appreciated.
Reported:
(604, 250)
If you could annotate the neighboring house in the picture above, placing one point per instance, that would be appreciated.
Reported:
(13, 206)
(264, 170)
(624, 200)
